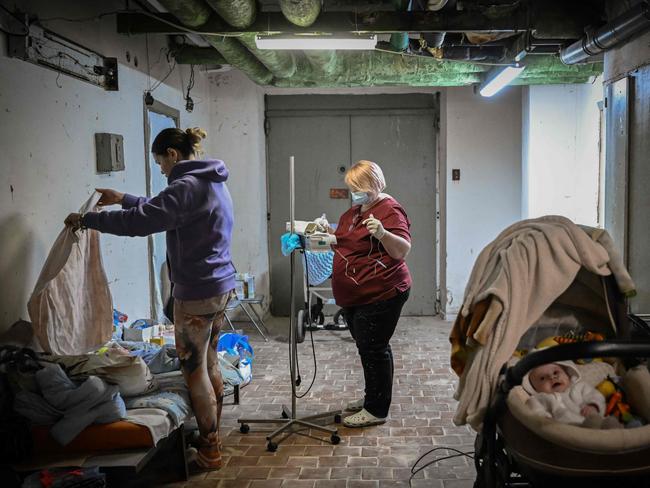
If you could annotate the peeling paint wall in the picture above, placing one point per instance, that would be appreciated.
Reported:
(561, 156)
(237, 137)
(47, 127)
(483, 141)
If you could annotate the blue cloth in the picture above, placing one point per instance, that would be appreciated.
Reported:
(196, 211)
(319, 266)
(290, 242)
(70, 407)
(146, 350)
(174, 404)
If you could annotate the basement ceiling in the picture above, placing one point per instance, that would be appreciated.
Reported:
(420, 43)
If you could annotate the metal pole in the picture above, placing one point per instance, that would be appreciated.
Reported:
(292, 306)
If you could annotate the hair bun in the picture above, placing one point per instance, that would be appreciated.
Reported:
(195, 135)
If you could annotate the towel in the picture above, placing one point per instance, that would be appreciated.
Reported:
(524, 269)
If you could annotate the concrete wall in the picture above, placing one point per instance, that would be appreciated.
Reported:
(483, 140)
(560, 151)
(47, 127)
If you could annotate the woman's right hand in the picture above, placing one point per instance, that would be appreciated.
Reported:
(109, 197)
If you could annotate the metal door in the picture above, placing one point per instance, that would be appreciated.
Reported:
(404, 146)
(322, 152)
(327, 133)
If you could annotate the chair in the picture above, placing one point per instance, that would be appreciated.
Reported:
(246, 304)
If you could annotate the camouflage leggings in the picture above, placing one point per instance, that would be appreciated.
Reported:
(197, 324)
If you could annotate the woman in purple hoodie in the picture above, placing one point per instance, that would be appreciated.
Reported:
(196, 212)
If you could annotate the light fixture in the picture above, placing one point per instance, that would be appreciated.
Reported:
(307, 42)
(499, 78)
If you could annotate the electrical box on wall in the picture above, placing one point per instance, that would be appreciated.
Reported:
(110, 152)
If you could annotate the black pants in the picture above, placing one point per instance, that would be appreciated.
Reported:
(372, 326)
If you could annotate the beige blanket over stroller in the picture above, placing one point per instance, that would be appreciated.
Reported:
(522, 272)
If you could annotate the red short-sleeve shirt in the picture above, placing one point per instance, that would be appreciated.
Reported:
(363, 271)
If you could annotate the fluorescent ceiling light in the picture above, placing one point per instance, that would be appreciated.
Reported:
(322, 42)
(502, 78)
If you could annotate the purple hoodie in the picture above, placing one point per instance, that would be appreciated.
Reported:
(197, 212)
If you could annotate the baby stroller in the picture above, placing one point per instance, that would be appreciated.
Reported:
(546, 278)
(317, 290)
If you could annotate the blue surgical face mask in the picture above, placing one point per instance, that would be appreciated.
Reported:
(360, 197)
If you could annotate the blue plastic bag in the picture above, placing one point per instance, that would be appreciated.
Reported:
(290, 242)
(236, 345)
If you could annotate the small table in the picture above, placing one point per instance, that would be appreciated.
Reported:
(246, 304)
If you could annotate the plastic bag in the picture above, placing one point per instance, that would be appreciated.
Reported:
(290, 242)
(237, 345)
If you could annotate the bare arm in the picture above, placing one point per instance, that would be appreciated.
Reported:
(397, 247)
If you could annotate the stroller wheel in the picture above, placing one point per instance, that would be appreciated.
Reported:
(301, 326)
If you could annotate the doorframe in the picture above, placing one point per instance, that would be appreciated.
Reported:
(162, 109)
(440, 190)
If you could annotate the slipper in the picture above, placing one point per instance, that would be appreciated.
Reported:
(194, 439)
(197, 463)
(355, 406)
(363, 418)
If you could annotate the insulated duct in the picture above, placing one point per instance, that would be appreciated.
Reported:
(634, 21)
(282, 64)
(302, 13)
(238, 13)
(230, 48)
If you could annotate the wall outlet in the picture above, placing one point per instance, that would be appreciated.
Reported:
(455, 175)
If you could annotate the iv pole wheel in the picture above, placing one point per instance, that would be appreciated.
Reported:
(301, 324)
(335, 439)
(244, 428)
(271, 446)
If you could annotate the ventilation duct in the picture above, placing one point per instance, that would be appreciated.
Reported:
(238, 13)
(194, 13)
(302, 13)
(635, 21)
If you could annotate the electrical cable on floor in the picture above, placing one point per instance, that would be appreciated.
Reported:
(313, 347)
(415, 470)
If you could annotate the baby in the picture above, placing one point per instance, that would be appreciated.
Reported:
(558, 393)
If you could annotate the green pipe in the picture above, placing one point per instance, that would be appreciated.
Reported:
(302, 13)
(282, 64)
(192, 13)
(238, 56)
(238, 13)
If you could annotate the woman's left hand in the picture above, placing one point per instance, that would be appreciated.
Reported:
(73, 220)
(375, 227)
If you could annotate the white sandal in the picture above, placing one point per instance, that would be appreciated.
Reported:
(363, 418)
(355, 406)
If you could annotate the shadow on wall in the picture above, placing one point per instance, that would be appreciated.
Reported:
(19, 246)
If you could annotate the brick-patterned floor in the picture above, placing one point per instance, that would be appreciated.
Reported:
(420, 416)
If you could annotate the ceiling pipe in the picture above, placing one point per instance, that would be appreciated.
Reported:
(238, 13)
(230, 48)
(241, 14)
(302, 13)
(634, 21)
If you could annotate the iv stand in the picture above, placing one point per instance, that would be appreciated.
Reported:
(292, 424)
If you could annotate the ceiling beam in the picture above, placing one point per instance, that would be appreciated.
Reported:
(330, 22)
(198, 55)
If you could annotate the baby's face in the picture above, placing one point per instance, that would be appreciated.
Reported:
(549, 378)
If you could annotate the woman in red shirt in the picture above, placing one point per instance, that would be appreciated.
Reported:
(371, 282)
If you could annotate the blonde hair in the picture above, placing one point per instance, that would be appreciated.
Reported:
(188, 142)
(365, 176)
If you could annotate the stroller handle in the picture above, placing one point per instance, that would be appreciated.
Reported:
(563, 352)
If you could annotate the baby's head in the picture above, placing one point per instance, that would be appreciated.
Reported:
(549, 378)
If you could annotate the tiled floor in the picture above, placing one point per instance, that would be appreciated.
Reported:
(420, 416)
